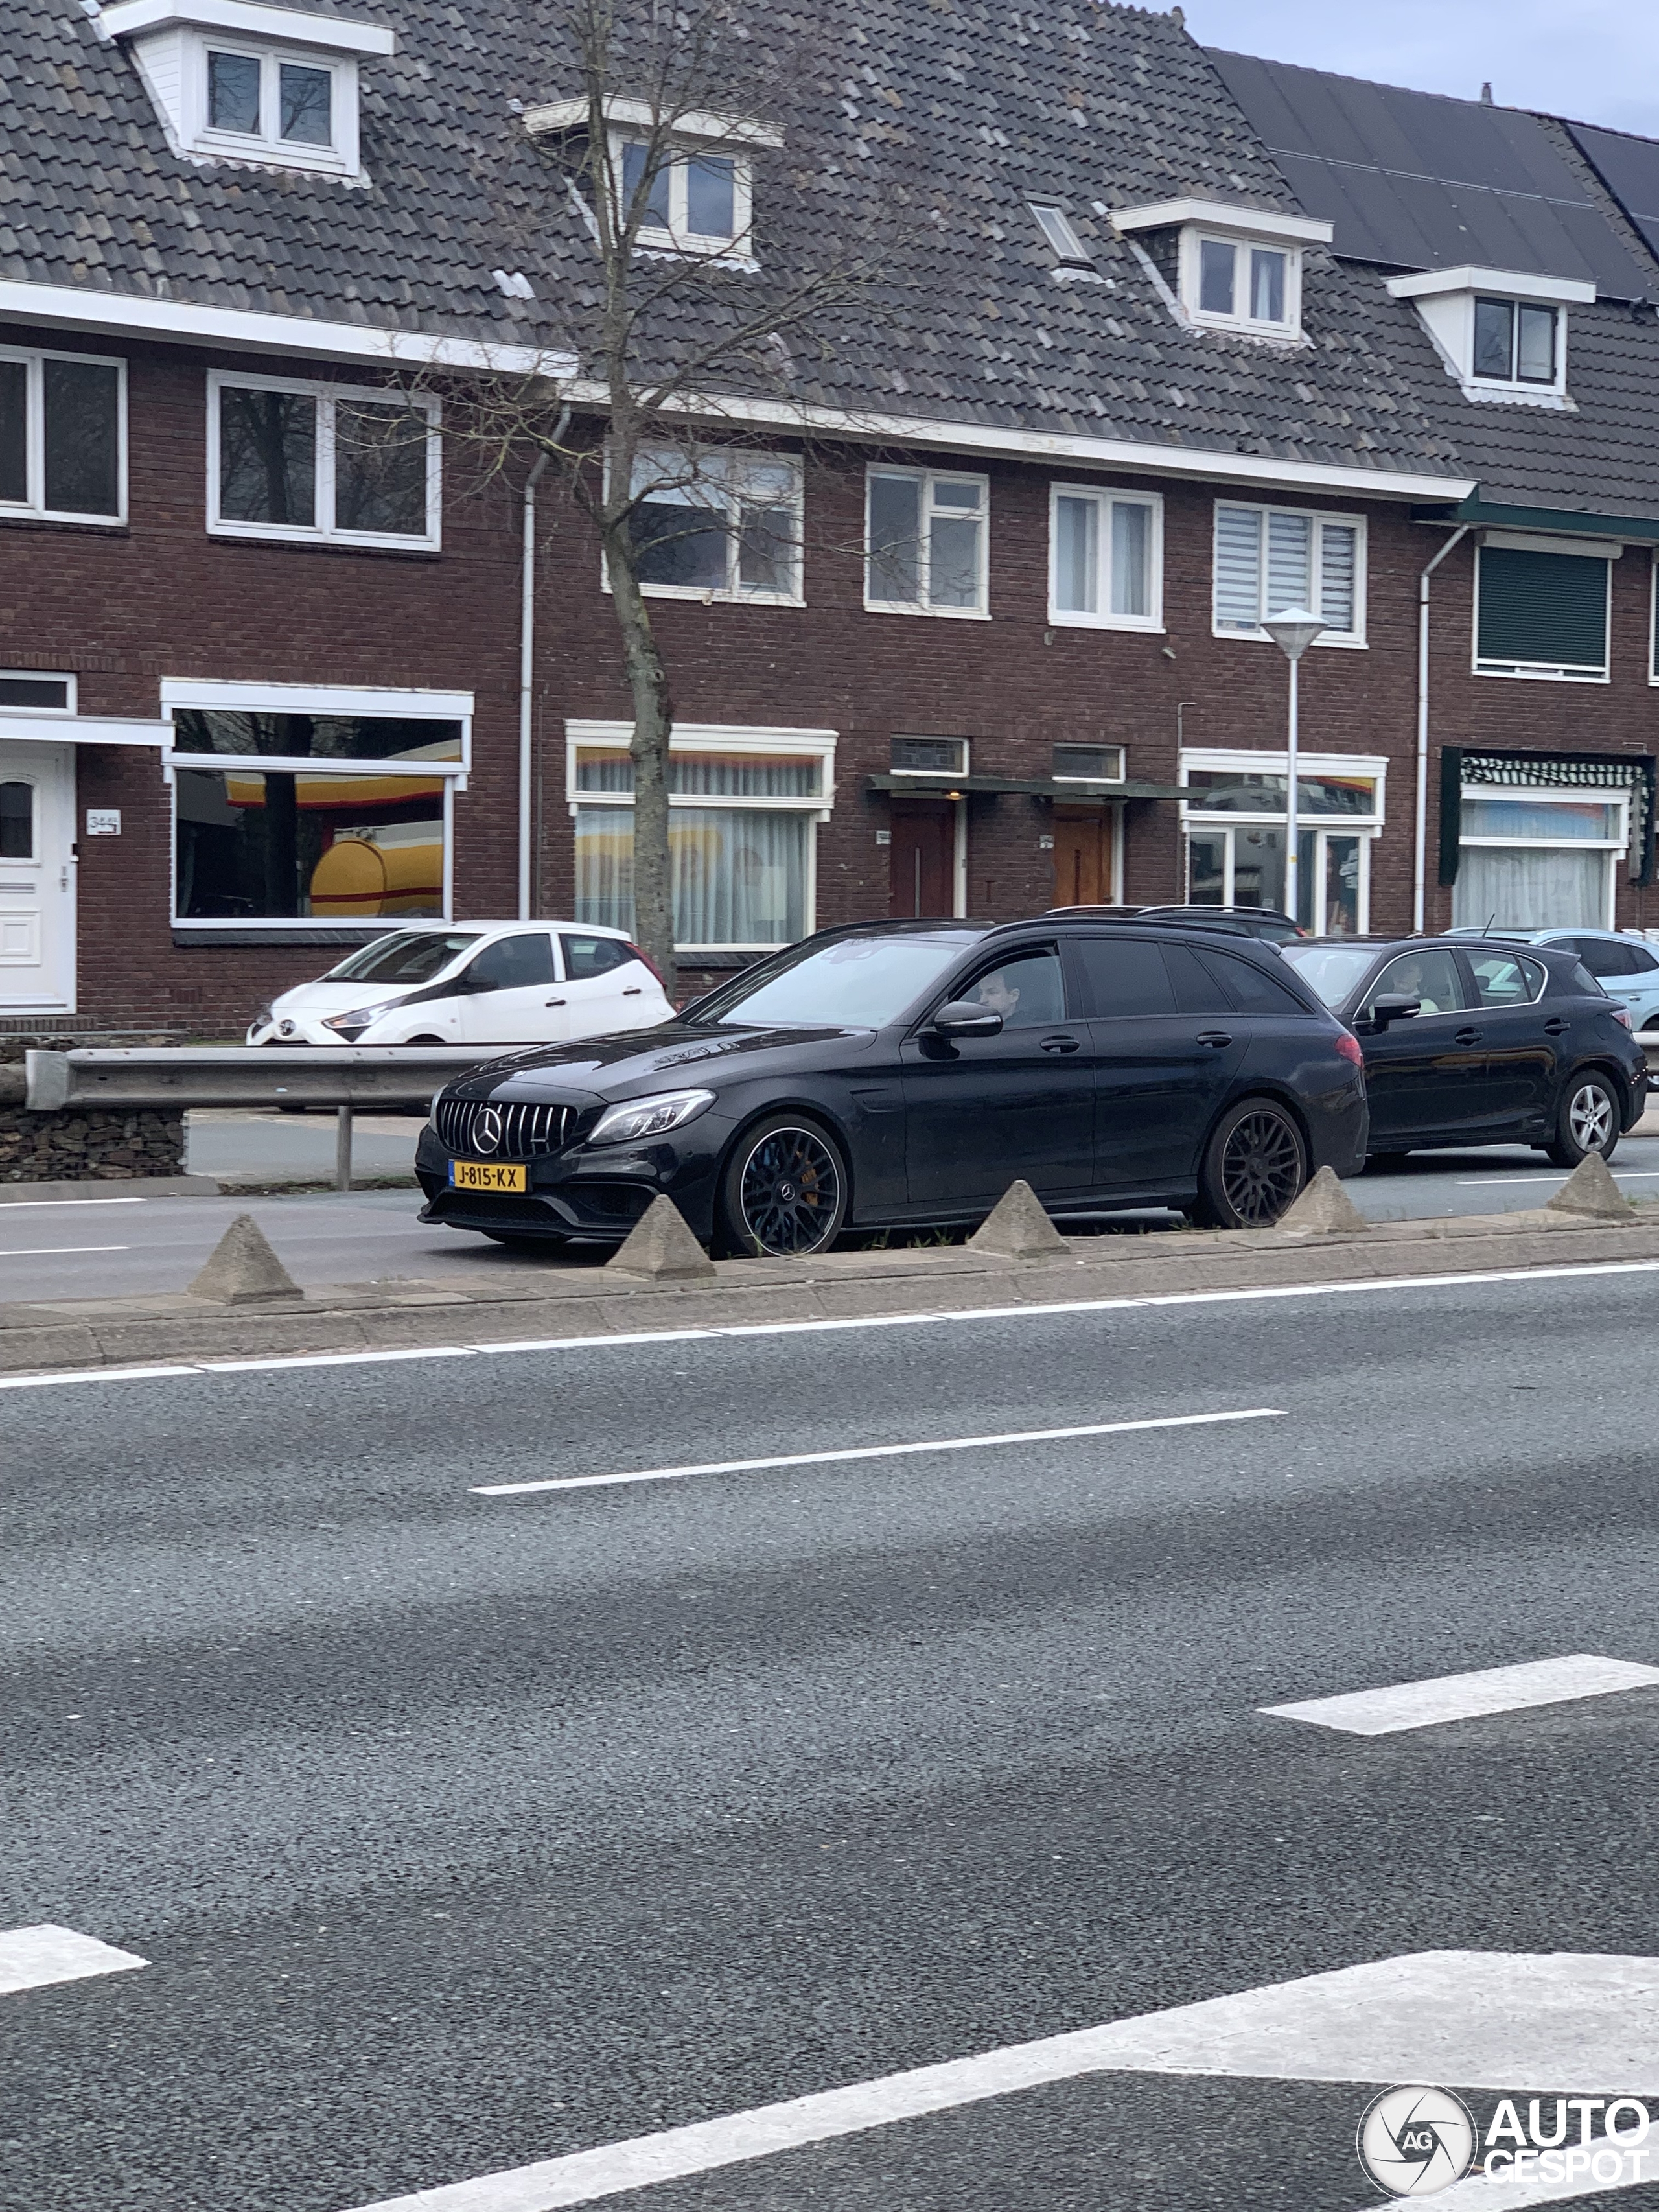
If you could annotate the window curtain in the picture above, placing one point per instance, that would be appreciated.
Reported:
(739, 876)
(1519, 887)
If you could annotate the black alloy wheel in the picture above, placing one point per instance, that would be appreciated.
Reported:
(784, 1192)
(1588, 1121)
(1254, 1168)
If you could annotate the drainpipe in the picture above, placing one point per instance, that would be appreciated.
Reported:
(527, 663)
(1419, 865)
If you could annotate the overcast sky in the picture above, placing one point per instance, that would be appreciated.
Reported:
(1596, 60)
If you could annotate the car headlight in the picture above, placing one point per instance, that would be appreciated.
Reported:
(360, 1018)
(267, 1013)
(648, 1117)
(432, 1104)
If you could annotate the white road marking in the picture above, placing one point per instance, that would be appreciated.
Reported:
(30, 1205)
(922, 1318)
(873, 1451)
(50, 1251)
(1567, 2023)
(1445, 1698)
(33, 1958)
(1546, 1175)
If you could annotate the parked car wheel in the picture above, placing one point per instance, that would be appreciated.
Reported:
(784, 1191)
(1588, 1121)
(1253, 1167)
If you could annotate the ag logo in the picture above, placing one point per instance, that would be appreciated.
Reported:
(487, 1129)
(1415, 2141)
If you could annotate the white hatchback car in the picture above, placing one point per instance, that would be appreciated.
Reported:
(473, 982)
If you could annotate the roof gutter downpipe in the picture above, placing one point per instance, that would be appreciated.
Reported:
(1420, 864)
(527, 666)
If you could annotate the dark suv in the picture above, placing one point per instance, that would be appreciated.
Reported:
(1479, 1041)
(1264, 923)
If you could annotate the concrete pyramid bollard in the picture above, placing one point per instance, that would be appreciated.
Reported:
(660, 1248)
(1590, 1192)
(1324, 1209)
(242, 1270)
(1017, 1228)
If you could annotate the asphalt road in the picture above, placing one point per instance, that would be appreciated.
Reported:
(124, 1243)
(460, 1832)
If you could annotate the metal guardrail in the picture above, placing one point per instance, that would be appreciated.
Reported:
(344, 1077)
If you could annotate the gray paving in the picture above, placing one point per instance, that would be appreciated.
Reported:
(461, 1832)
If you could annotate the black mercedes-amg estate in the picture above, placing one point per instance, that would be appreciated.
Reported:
(906, 1073)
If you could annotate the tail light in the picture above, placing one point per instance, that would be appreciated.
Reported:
(1348, 1045)
(1622, 1014)
(635, 953)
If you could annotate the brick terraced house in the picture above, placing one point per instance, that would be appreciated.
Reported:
(1171, 340)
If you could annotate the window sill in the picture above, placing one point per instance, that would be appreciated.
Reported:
(1143, 624)
(199, 935)
(707, 595)
(44, 518)
(1340, 643)
(1523, 672)
(314, 541)
(930, 614)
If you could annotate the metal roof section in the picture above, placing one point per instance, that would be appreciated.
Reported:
(1629, 167)
(1417, 181)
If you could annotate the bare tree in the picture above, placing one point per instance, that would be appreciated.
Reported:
(674, 312)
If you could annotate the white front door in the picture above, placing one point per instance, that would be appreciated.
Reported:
(37, 878)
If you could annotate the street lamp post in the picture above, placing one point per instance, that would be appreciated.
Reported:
(1293, 630)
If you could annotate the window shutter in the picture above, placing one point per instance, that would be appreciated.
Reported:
(1337, 562)
(1238, 567)
(1543, 610)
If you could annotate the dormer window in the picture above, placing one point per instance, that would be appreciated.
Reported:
(1224, 268)
(235, 80)
(1502, 333)
(700, 190)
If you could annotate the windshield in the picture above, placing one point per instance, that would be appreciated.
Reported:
(1333, 969)
(410, 956)
(861, 982)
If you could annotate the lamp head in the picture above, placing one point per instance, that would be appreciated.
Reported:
(1293, 629)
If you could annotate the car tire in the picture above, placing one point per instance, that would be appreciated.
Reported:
(1254, 1167)
(1587, 1121)
(784, 1190)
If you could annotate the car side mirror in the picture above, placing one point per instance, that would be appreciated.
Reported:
(469, 982)
(1394, 1007)
(966, 1017)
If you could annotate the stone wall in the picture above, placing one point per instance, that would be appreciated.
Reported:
(78, 1145)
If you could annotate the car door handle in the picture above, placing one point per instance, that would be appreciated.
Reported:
(633, 991)
(1062, 1043)
(556, 1002)
(1556, 1027)
(1466, 1036)
(1215, 1039)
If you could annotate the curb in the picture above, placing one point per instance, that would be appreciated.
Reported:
(535, 1304)
(58, 1194)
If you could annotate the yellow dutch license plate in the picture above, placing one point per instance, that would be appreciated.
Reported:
(485, 1175)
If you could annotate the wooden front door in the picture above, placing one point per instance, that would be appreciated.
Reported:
(923, 859)
(1082, 856)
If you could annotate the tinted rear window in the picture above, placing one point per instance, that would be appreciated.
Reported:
(586, 956)
(1253, 990)
(1123, 976)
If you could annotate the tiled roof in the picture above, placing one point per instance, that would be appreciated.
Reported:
(916, 133)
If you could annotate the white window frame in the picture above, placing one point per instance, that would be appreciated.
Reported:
(1367, 828)
(1613, 850)
(238, 697)
(266, 147)
(731, 464)
(1103, 499)
(1353, 641)
(34, 508)
(1543, 671)
(40, 676)
(323, 531)
(1653, 614)
(928, 479)
(679, 239)
(693, 738)
(1193, 239)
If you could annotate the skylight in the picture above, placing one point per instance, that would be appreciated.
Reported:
(1070, 252)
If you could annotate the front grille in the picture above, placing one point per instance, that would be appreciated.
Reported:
(525, 1132)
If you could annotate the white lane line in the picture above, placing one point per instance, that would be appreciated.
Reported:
(1543, 1174)
(1563, 2022)
(50, 1251)
(1445, 1698)
(31, 1205)
(33, 1958)
(873, 1451)
(923, 1318)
